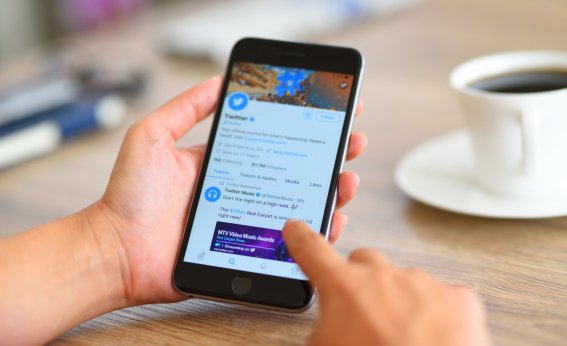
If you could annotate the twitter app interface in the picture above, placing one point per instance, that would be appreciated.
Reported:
(272, 159)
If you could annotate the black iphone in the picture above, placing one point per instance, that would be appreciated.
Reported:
(275, 151)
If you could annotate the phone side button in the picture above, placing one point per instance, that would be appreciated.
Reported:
(241, 285)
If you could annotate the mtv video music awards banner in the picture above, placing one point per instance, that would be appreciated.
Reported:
(249, 241)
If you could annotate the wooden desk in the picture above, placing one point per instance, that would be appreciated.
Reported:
(519, 267)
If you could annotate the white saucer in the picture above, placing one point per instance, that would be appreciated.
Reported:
(439, 173)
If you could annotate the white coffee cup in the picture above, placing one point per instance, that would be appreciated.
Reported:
(519, 140)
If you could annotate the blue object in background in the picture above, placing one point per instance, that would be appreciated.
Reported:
(38, 96)
(44, 132)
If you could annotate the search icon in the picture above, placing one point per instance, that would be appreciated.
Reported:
(231, 261)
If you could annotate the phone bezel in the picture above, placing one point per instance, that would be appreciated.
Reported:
(212, 282)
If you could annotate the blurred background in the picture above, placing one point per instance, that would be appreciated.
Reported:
(27, 23)
(86, 58)
(74, 74)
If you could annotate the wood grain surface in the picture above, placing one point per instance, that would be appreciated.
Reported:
(518, 267)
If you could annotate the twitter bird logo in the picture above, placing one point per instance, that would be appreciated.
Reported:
(238, 101)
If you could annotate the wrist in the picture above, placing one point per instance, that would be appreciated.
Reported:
(74, 266)
(109, 254)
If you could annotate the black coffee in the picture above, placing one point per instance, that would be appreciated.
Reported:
(523, 82)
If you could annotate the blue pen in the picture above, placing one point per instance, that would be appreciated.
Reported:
(44, 132)
(29, 99)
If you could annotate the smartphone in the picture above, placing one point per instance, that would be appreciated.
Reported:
(276, 148)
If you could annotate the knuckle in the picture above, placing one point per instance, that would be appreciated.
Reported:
(367, 255)
(187, 106)
(146, 129)
(360, 253)
(133, 129)
(139, 128)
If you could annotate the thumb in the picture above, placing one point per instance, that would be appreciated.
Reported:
(182, 113)
(316, 258)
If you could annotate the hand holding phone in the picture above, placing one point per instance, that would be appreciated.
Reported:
(149, 192)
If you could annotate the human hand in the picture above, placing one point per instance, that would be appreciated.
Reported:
(145, 205)
(367, 301)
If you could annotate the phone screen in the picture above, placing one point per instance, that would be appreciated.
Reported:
(272, 158)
